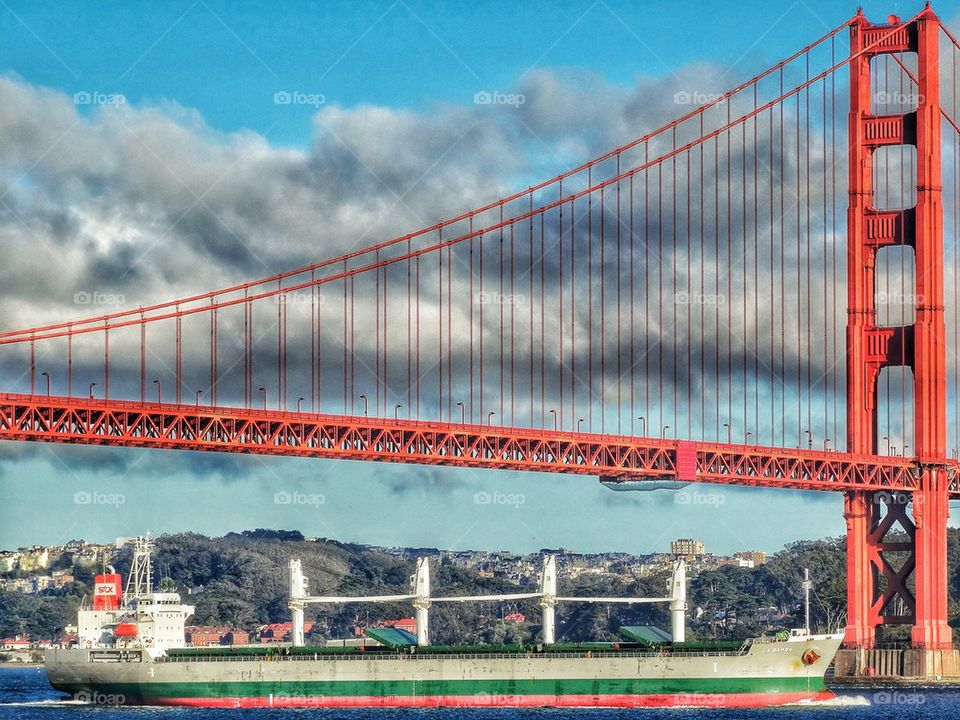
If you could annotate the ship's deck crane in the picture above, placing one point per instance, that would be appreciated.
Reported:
(422, 599)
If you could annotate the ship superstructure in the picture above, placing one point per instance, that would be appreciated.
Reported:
(138, 616)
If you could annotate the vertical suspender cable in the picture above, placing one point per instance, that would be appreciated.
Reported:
(562, 326)
(178, 364)
(530, 328)
(603, 308)
(386, 375)
(633, 405)
(619, 220)
(573, 313)
(143, 359)
(543, 339)
(473, 303)
(603, 311)
(590, 300)
(832, 277)
(513, 328)
(500, 304)
(673, 282)
(410, 407)
(106, 361)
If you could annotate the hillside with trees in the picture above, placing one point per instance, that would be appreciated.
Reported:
(240, 580)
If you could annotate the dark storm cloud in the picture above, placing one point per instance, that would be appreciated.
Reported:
(113, 462)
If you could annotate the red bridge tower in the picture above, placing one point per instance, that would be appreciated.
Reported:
(877, 585)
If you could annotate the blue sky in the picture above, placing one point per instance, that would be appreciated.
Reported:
(227, 59)
(211, 71)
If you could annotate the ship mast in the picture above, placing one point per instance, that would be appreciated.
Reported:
(140, 579)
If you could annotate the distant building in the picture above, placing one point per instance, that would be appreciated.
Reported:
(236, 637)
(9, 561)
(36, 558)
(280, 632)
(687, 547)
(576, 571)
(39, 583)
(756, 556)
(15, 643)
(407, 624)
(203, 635)
(736, 562)
(61, 578)
(87, 558)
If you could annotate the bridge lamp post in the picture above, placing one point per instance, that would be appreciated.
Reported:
(727, 426)
(365, 404)
(299, 404)
(552, 412)
(887, 438)
(157, 383)
(663, 432)
(463, 413)
(643, 426)
(197, 394)
(905, 450)
(579, 423)
(92, 386)
(746, 437)
(396, 411)
(264, 391)
(490, 417)
(826, 443)
(809, 439)
(47, 376)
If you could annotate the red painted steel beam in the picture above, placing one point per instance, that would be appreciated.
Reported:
(189, 427)
(868, 348)
(930, 505)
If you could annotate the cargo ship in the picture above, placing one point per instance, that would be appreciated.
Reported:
(131, 651)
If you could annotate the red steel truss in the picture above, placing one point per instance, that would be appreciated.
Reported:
(189, 427)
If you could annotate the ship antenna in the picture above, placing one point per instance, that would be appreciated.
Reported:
(807, 585)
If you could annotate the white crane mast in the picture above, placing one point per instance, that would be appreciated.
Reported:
(422, 599)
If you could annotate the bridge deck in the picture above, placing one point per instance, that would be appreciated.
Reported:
(348, 437)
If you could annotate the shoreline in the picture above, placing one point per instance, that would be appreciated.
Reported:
(862, 683)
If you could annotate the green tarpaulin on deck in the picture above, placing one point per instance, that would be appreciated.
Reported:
(646, 634)
(391, 637)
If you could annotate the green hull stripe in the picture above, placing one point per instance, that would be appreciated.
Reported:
(407, 688)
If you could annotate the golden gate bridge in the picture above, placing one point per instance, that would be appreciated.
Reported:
(669, 310)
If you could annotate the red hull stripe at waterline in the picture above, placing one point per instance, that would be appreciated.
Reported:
(718, 700)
